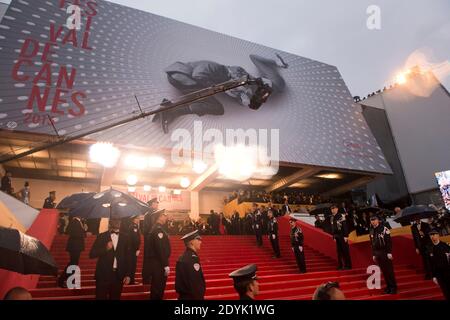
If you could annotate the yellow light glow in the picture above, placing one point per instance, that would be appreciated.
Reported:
(104, 153)
(132, 180)
(156, 162)
(185, 182)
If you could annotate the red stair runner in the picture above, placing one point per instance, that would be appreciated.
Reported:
(279, 278)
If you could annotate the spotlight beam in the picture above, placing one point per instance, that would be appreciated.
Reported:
(165, 106)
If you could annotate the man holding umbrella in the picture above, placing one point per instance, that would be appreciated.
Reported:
(112, 249)
(158, 253)
(146, 229)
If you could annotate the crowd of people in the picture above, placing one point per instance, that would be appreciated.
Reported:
(274, 197)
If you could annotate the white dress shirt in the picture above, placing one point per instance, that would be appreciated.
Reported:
(115, 240)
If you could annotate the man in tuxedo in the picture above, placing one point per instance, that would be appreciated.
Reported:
(146, 228)
(75, 245)
(112, 249)
(257, 224)
(422, 242)
(272, 227)
(235, 222)
(135, 242)
(158, 253)
(286, 209)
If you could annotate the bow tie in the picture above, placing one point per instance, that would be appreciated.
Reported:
(114, 232)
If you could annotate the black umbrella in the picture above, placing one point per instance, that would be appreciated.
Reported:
(24, 254)
(72, 201)
(375, 210)
(415, 212)
(109, 204)
(322, 208)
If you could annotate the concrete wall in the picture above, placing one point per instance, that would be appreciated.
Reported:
(212, 200)
(40, 189)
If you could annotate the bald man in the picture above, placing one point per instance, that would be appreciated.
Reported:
(18, 293)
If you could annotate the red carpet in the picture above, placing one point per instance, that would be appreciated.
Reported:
(222, 254)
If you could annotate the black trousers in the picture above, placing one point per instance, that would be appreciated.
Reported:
(343, 253)
(300, 258)
(426, 261)
(387, 268)
(444, 282)
(275, 245)
(157, 280)
(258, 234)
(111, 290)
(133, 265)
(74, 260)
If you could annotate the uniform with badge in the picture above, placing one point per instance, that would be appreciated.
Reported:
(380, 239)
(257, 227)
(49, 203)
(158, 253)
(272, 228)
(297, 240)
(339, 230)
(440, 265)
(189, 280)
(135, 242)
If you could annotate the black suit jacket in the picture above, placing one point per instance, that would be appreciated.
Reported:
(104, 269)
(76, 233)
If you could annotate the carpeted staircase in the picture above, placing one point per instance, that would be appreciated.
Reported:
(279, 278)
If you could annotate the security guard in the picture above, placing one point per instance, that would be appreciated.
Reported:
(135, 241)
(272, 228)
(158, 254)
(297, 240)
(246, 282)
(422, 241)
(339, 230)
(49, 202)
(147, 227)
(440, 263)
(380, 239)
(189, 280)
(257, 225)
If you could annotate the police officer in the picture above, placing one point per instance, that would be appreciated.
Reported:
(297, 240)
(158, 254)
(146, 229)
(49, 202)
(422, 242)
(257, 225)
(440, 263)
(246, 282)
(135, 241)
(272, 228)
(189, 280)
(380, 239)
(339, 230)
